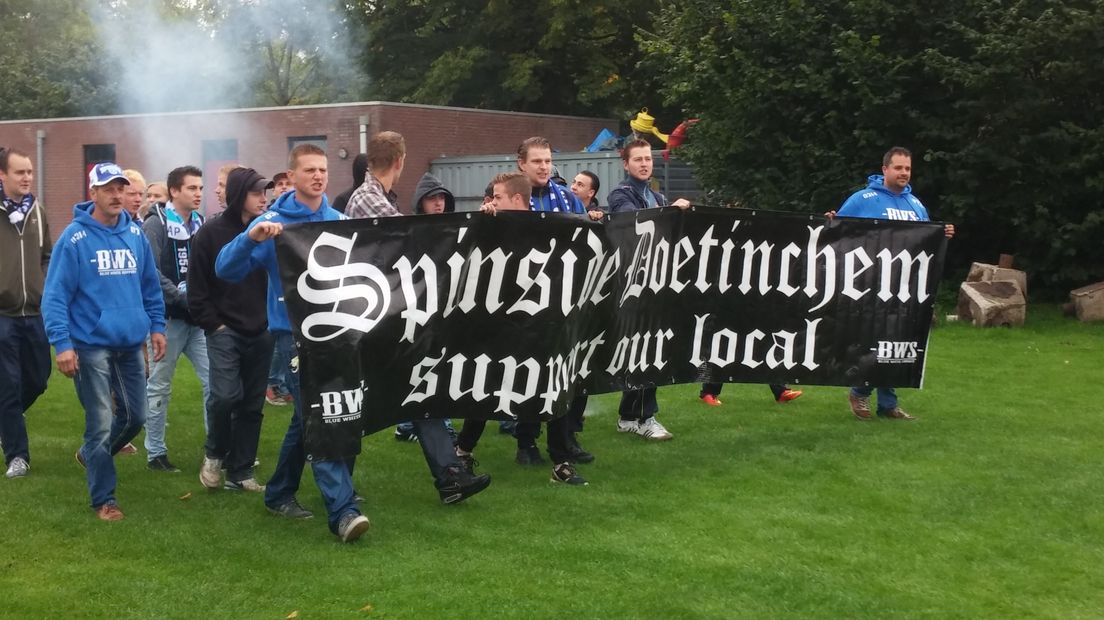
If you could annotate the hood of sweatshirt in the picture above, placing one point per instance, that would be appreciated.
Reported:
(239, 183)
(427, 186)
(294, 212)
(876, 182)
(82, 213)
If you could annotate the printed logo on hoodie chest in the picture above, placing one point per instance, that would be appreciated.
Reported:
(901, 214)
(115, 262)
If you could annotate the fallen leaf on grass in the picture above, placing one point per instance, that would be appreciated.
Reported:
(187, 495)
(292, 615)
(366, 608)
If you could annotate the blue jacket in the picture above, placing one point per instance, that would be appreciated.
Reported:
(629, 196)
(102, 289)
(877, 201)
(243, 255)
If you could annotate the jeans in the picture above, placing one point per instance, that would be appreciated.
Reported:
(408, 427)
(887, 397)
(334, 478)
(182, 338)
(436, 442)
(24, 370)
(559, 430)
(108, 426)
(239, 376)
(638, 404)
(281, 359)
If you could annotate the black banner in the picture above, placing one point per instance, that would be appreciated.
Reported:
(474, 316)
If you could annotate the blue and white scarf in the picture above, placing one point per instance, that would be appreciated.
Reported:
(557, 197)
(176, 228)
(17, 211)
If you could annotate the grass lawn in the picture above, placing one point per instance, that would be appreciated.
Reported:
(990, 505)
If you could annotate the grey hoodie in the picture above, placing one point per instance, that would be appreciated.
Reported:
(427, 185)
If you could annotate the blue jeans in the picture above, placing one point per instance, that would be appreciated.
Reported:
(887, 397)
(109, 426)
(182, 338)
(281, 359)
(334, 478)
(24, 370)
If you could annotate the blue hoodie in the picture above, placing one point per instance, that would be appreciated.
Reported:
(879, 202)
(243, 255)
(102, 289)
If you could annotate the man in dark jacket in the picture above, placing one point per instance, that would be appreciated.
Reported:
(239, 345)
(638, 407)
(25, 249)
(360, 170)
(170, 228)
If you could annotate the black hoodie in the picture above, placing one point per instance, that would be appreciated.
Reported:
(427, 185)
(360, 171)
(215, 302)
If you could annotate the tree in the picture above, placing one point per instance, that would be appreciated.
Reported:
(1000, 102)
(560, 57)
(51, 61)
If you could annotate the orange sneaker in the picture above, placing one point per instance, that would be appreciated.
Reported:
(109, 512)
(711, 400)
(789, 395)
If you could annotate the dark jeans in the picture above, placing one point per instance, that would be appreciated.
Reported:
(575, 413)
(334, 478)
(470, 433)
(283, 351)
(559, 430)
(638, 404)
(715, 389)
(239, 376)
(24, 370)
(436, 443)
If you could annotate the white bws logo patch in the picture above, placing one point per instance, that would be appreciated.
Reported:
(897, 352)
(115, 262)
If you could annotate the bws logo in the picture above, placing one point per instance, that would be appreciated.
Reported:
(115, 262)
(896, 352)
(341, 405)
(901, 214)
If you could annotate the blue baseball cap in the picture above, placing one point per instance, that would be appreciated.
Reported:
(102, 174)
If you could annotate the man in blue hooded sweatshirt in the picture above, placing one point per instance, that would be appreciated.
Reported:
(887, 196)
(255, 249)
(102, 298)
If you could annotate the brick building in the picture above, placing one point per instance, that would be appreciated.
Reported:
(65, 148)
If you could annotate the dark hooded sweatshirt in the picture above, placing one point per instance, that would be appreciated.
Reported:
(214, 302)
(430, 184)
(360, 172)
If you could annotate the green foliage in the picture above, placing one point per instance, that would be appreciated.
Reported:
(51, 62)
(1000, 101)
(560, 57)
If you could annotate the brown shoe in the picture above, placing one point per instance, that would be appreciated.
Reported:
(109, 512)
(860, 406)
(896, 413)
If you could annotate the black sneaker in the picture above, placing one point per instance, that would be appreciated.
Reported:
(404, 435)
(459, 485)
(575, 452)
(357, 497)
(529, 456)
(291, 509)
(161, 463)
(352, 526)
(564, 473)
(508, 427)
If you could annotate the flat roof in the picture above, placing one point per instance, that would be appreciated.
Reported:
(295, 107)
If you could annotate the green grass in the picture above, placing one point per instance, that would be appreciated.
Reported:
(990, 505)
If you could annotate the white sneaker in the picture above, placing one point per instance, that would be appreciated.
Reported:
(18, 468)
(627, 426)
(652, 429)
(210, 475)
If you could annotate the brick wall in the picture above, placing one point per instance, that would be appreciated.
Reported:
(154, 144)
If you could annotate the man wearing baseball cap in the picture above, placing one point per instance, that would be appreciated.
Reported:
(102, 299)
(239, 345)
